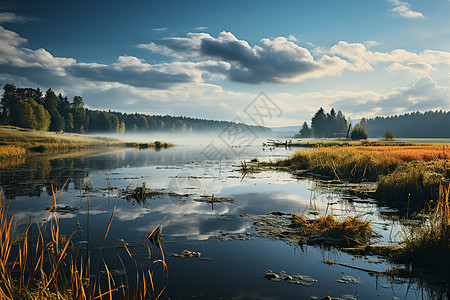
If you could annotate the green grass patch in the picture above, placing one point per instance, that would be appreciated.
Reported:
(428, 245)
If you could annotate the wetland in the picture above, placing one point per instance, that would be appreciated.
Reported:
(223, 230)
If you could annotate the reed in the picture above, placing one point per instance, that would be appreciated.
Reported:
(51, 267)
(428, 245)
(342, 163)
(410, 186)
(349, 232)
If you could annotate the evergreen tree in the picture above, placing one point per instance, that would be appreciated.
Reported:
(80, 119)
(305, 131)
(8, 101)
(318, 123)
(51, 105)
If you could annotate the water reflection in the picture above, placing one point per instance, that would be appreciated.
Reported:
(184, 182)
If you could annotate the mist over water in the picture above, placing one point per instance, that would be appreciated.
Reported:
(199, 167)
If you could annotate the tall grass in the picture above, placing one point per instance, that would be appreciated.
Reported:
(409, 187)
(343, 163)
(428, 245)
(11, 156)
(349, 232)
(53, 268)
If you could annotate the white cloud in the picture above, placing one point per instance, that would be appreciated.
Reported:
(160, 29)
(272, 60)
(185, 86)
(200, 28)
(420, 69)
(370, 44)
(403, 9)
(8, 17)
(424, 94)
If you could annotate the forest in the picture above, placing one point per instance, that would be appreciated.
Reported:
(429, 124)
(329, 125)
(30, 108)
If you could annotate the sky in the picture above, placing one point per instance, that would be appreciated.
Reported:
(224, 60)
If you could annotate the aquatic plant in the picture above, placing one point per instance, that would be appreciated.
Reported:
(409, 187)
(349, 232)
(342, 163)
(54, 268)
(428, 245)
(140, 194)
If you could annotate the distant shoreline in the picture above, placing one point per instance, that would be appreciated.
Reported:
(18, 142)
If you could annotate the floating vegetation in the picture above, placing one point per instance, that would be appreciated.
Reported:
(227, 236)
(63, 209)
(294, 279)
(325, 230)
(249, 167)
(215, 199)
(46, 264)
(140, 194)
(154, 145)
(348, 279)
(187, 253)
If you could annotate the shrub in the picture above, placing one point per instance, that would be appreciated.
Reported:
(358, 133)
(388, 134)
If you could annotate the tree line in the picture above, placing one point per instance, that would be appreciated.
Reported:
(30, 108)
(329, 125)
(429, 124)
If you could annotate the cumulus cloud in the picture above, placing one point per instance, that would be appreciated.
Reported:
(131, 71)
(8, 17)
(403, 9)
(419, 69)
(362, 59)
(42, 68)
(424, 94)
(271, 61)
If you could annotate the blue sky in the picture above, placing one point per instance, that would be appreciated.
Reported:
(211, 59)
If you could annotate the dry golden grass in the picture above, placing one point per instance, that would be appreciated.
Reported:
(428, 245)
(11, 151)
(349, 232)
(41, 141)
(55, 269)
(11, 156)
(362, 163)
(410, 153)
(342, 163)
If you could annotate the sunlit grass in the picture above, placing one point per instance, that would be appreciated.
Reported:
(342, 163)
(50, 266)
(428, 245)
(349, 232)
(411, 153)
(11, 156)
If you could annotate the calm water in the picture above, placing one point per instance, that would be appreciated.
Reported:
(230, 268)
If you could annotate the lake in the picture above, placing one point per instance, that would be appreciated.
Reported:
(234, 256)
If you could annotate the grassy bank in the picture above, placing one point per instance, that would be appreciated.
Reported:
(16, 143)
(428, 245)
(347, 143)
(36, 140)
(403, 173)
(46, 264)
